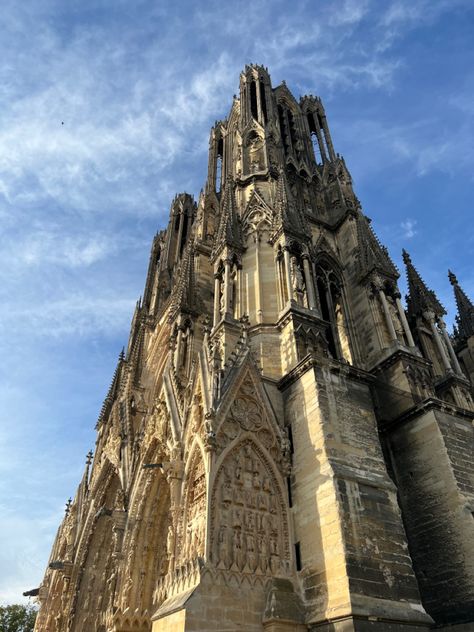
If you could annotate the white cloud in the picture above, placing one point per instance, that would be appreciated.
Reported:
(350, 12)
(409, 228)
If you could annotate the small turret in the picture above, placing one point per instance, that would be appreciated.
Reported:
(465, 315)
(255, 95)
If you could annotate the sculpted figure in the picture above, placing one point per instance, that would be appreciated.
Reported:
(263, 552)
(251, 556)
(297, 281)
(170, 542)
(255, 153)
(397, 324)
(223, 546)
(238, 548)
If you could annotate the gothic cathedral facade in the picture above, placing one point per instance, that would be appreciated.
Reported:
(284, 446)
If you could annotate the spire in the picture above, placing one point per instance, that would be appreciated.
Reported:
(371, 254)
(228, 232)
(419, 298)
(465, 315)
(184, 295)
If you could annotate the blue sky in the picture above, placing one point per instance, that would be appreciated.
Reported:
(105, 111)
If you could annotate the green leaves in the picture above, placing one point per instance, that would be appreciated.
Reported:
(17, 618)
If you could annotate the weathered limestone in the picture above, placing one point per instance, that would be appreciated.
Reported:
(282, 448)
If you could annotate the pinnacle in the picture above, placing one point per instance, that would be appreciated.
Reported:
(420, 298)
(452, 278)
(465, 315)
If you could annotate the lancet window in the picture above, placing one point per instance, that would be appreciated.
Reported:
(284, 129)
(294, 277)
(331, 299)
(319, 136)
(263, 102)
(253, 100)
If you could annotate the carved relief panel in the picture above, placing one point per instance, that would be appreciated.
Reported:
(248, 516)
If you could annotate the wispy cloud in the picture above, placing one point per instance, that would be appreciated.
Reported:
(409, 228)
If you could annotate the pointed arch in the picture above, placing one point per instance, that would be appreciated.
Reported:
(331, 294)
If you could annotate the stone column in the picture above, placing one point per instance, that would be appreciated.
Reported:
(177, 351)
(217, 299)
(386, 311)
(403, 318)
(449, 346)
(286, 254)
(258, 289)
(309, 283)
(429, 316)
(227, 288)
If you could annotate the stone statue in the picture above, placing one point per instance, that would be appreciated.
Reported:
(297, 282)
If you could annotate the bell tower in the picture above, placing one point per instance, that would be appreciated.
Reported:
(284, 447)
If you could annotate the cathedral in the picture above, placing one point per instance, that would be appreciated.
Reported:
(284, 446)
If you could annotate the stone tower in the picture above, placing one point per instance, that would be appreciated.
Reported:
(283, 446)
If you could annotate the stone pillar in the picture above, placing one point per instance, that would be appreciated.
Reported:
(403, 318)
(286, 255)
(429, 316)
(449, 346)
(386, 311)
(258, 289)
(309, 283)
(227, 288)
(217, 298)
(177, 351)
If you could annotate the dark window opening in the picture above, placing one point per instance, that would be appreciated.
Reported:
(183, 234)
(326, 314)
(299, 566)
(176, 223)
(284, 135)
(253, 100)
(290, 439)
(292, 126)
(263, 102)
(288, 485)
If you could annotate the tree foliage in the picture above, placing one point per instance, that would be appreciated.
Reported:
(17, 618)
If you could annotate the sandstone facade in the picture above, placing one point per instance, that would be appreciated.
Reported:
(283, 446)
